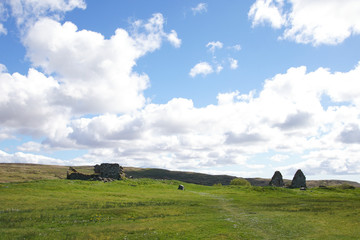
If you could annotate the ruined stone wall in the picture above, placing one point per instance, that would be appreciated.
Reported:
(110, 170)
(81, 176)
(102, 172)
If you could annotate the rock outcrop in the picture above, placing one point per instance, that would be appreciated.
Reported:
(299, 180)
(277, 180)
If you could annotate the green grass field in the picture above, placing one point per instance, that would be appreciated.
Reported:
(155, 209)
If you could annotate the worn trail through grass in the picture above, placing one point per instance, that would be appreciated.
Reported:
(225, 205)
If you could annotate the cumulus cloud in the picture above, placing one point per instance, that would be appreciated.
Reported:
(233, 63)
(213, 45)
(149, 35)
(297, 120)
(244, 138)
(26, 12)
(350, 134)
(173, 39)
(20, 157)
(285, 117)
(31, 147)
(25, 104)
(2, 29)
(200, 8)
(202, 68)
(95, 73)
(308, 21)
(270, 11)
(328, 162)
(3, 17)
(279, 157)
(219, 68)
(236, 47)
(82, 73)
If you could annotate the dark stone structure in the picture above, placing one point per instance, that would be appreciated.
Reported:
(105, 172)
(97, 168)
(81, 176)
(299, 180)
(110, 170)
(277, 180)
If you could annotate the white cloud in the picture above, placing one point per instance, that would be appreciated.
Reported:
(173, 39)
(3, 18)
(2, 29)
(310, 21)
(219, 68)
(95, 73)
(236, 47)
(149, 35)
(285, 117)
(84, 74)
(213, 45)
(3, 68)
(26, 107)
(233, 63)
(279, 157)
(270, 11)
(30, 147)
(350, 134)
(328, 162)
(202, 68)
(26, 12)
(200, 8)
(20, 157)
(227, 98)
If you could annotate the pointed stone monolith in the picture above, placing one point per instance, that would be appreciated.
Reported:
(277, 180)
(299, 180)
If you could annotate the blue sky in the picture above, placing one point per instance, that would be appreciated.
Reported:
(237, 87)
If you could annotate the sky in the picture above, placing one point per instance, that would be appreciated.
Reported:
(243, 88)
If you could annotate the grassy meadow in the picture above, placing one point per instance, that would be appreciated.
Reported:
(155, 209)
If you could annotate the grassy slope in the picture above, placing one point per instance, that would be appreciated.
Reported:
(155, 209)
(12, 172)
(15, 172)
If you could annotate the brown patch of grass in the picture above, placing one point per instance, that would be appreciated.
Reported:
(15, 172)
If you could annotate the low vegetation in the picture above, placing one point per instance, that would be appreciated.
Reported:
(240, 182)
(155, 209)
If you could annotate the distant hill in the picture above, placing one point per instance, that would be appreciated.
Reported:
(17, 172)
(207, 179)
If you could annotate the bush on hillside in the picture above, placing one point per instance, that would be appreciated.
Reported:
(240, 182)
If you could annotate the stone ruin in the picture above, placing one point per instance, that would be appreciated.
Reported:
(299, 180)
(104, 172)
(277, 180)
(109, 170)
